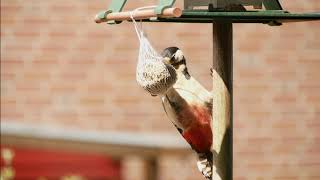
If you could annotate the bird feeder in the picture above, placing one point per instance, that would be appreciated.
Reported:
(222, 14)
(205, 11)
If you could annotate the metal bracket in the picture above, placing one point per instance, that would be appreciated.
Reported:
(115, 6)
(272, 5)
(221, 4)
(163, 4)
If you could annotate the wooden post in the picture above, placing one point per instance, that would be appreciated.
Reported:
(137, 15)
(152, 169)
(222, 100)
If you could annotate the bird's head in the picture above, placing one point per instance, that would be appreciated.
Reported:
(174, 56)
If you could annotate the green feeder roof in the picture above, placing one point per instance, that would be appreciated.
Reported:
(270, 17)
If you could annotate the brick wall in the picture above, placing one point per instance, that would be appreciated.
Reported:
(60, 68)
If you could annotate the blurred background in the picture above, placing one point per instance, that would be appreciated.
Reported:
(71, 107)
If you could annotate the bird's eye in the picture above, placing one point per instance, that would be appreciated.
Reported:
(172, 60)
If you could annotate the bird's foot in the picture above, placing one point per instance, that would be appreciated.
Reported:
(204, 166)
(211, 72)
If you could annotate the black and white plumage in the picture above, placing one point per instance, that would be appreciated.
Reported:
(189, 107)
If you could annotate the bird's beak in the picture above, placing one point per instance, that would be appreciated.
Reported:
(166, 60)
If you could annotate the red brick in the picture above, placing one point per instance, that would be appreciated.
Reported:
(70, 20)
(8, 101)
(7, 76)
(11, 115)
(81, 61)
(284, 124)
(316, 177)
(99, 34)
(285, 75)
(99, 115)
(8, 21)
(42, 62)
(50, 47)
(36, 20)
(90, 49)
(92, 101)
(62, 8)
(253, 73)
(313, 124)
(37, 76)
(38, 101)
(24, 47)
(73, 76)
(285, 177)
(29, 34)
(66, 117)
(64, 34)
(11, 7)
(68, 88)
(12, 63)
(99, 88)
(285, 98)
(27, 87)
(127, 99)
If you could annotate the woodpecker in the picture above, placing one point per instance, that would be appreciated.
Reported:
(189, 107)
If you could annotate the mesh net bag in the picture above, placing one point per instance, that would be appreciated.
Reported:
(152, 74)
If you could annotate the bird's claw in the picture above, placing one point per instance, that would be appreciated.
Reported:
(204, 167)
